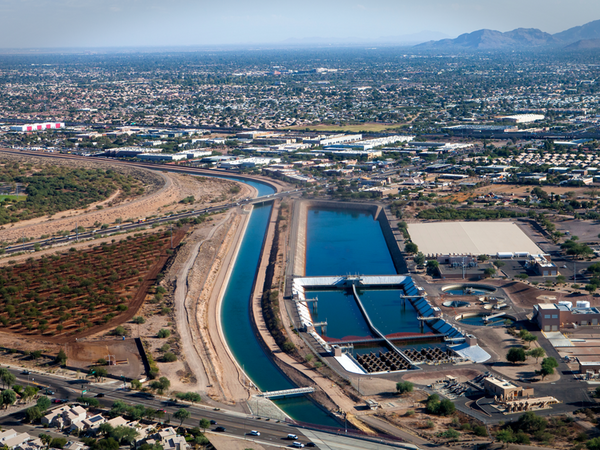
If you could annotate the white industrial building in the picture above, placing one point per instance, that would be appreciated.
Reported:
(247, 163)
(368, 144)
(38, 126)
(162, 156)
(523, 118)
(472, 238)
(334, 139)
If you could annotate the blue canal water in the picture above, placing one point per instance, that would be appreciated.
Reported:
(238, 331)
(339, 308)
(388, 312)
(342, 242)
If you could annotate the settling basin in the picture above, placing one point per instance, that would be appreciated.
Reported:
(345, 242)
(468, 289)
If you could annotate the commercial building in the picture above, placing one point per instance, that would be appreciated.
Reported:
(505, 390)
(129, 152)
(335, 139)
(542, 266)
(247, 163)
(523, 118)
(556, 316)
(471, 238)
(162, 156)
(372, 143)
(370, 154)
(38, 126)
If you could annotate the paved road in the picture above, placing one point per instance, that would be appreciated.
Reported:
(236, 424)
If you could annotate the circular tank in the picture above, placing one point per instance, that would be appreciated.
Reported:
(478, 319)
(455, 304)
(468, 289)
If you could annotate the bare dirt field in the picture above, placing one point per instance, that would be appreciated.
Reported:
(425, 378)
(522, 191)
(125, 352)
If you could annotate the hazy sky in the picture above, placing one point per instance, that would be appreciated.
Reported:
(116, 23)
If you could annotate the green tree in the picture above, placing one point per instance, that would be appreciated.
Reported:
(433, 267)
(450, 434)
(29, 392)
(536, 353)
(593, 444)
(124, 434)
(33, 414)
(419, 259)
(8, 379)
(90, 401)
(43, 403)
(182, 415)
(548, 366)
(136, 384)
(169, 357)
(61, 358)
(9, 397)
(529, 338)
(515, 355)
(489, 272)
(58, 442)
(139, 320)
(446, 407)
(531, 423)
(404, 387)
(105, 429)
(163, 333)
(119, 331)
(411, 248)
(506, 435)
(204, 424)
(160, 385)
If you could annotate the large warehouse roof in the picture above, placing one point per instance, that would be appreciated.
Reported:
(477, 238)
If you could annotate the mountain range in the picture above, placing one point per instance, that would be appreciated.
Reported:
(582, 37)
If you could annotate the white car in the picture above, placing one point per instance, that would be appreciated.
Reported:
(298, 445)
(254, 433)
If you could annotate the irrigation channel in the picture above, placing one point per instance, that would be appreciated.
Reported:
(235, 319)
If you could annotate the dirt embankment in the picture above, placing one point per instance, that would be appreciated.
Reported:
(163, 193)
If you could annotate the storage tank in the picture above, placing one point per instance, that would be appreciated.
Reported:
(566, 303)
(583, 304)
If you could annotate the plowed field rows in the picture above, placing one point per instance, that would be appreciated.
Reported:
(81, 292)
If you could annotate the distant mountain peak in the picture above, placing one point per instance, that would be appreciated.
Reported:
(520, 38)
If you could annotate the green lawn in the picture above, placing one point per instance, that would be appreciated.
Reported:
(20, 197)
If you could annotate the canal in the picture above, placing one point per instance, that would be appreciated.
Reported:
(237, 325)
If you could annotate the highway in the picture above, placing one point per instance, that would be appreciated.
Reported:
(76, 237)
(236, 424)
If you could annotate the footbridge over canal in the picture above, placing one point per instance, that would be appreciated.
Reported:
(288, 392)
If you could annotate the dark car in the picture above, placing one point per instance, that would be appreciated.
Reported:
(100, 395)
(220, 429)
(25, 372)
(311, 444)
(213, 422)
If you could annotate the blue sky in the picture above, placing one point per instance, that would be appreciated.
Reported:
(112, 23)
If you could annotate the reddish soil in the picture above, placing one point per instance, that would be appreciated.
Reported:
(81, 293)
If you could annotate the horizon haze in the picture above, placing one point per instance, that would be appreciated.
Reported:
(132, 23)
